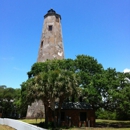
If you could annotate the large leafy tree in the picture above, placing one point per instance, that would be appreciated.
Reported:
(17, 102)
(117, 95)
(9, 101)
(90, 73)
(122, 96)
(111, 83)
(49, 81)
(2, 88)
(84, 76)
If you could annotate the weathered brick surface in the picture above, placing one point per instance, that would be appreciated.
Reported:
(51, 47)
(75, 118)
(51, 44)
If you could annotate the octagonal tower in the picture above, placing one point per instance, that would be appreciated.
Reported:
(51, 47)
(51, 44)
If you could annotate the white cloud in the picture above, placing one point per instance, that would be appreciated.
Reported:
(7, 58)
(126, 70)
(16, 68)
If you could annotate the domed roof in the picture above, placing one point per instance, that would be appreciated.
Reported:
(52, 12)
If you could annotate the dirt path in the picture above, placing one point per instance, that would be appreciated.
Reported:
(4, 127)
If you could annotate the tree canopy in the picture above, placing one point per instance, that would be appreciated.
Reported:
(83, 77)
(9, 101)
(80, 80)
(51, 81)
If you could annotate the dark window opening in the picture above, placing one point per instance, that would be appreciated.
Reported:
(62, 116)
(0, 110)
(41, 44)
(83, 116)
(72, 98)
(50, 27)
(80, 98)
(57, 19)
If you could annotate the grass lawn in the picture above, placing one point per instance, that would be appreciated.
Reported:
(98, 129)
(113, 124)
(100, 124)
(32, 121)
(4, 127)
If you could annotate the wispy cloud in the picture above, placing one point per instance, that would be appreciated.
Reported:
(126, 70)
(7, 58)
(18, 69)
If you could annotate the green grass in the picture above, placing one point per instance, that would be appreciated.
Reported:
(4, 127)
(111, 125)
(99, 129)
(100, 124)
(32, 121)
(110, 121)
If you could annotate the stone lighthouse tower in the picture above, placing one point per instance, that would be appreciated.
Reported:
(51, 44)
(51, 47)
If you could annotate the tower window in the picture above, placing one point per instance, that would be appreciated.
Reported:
(41, 44)
(57, 19)
(50, 27)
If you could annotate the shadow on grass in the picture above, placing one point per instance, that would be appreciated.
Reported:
(50, 126)
(117, 124)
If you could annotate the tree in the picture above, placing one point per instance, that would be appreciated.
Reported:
(90, 73)
(17, 102)
(50, 80)
(2, 88)
(24, 100)
(118, 95)
(9, 98)
(105, 89)
(115, 94)
(110, 82)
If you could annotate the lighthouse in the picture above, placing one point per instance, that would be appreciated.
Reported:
(51, 43)
(51, 47)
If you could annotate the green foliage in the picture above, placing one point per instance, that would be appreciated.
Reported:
(49, 81)
(83, 77)
(9, 101)
(24, 100)
(116, 96)
(104, 114)
(90, 73)
(51, 75)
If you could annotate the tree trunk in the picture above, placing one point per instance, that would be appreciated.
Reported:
(46, 115)
(55, 124)
(59, 114)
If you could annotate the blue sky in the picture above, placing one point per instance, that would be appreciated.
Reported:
(99, 28)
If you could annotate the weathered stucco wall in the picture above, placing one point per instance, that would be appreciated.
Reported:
(51, 44)
(51, 47)
(36, 110)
